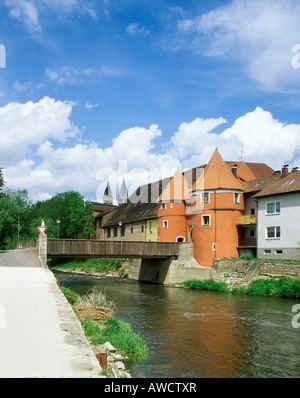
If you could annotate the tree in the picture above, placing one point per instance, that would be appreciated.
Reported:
(2, 182)
(75, 214)
(15, 210)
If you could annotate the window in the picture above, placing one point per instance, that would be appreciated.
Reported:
(163, 206)
(273, 208)
(278, 252)
(252, 211)
(267, 252)
(252, 233)
(150, 225)
(165, 224)
(273, 233)
(131, 230)
(142, 228)
(122, 231)
(236, 198)
(115, 232)
(205, 221)
(205, 197)
(108, 232)
(180, 239)
(214, 246)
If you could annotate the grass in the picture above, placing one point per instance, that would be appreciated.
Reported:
(120, 335)
(284, 287)
(94, 265)
(208, 284)
(117, 332)
(97, 298)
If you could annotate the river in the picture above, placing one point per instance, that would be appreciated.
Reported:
(194, 334)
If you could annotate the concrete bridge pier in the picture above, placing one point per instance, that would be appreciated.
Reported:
(169, 271)
(42, 250)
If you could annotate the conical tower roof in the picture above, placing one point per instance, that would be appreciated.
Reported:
(217, 175)
(123, 190)
(177, 190)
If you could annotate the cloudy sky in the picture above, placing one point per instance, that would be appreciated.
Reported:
(138, 88)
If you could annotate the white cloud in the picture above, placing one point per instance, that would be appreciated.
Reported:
(135, 29)
(24, 125)
(68, 75)
(262, 138)
(29, 11)
(40, 150)
(258, 34)
(25, 11)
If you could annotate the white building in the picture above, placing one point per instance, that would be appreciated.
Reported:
(278, 215)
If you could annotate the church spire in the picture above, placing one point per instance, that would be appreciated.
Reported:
(123, 194)
(108, 196)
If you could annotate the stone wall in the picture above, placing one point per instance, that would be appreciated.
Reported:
(238, 272)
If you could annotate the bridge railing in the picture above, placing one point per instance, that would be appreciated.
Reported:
(110, 249)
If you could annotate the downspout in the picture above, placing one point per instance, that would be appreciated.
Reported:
(215, 224)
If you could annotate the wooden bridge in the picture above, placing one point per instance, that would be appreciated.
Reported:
(110, 249)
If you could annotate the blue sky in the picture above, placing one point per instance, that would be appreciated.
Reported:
(126, 88)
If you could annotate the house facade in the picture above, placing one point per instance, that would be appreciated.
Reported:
(225, 208)
(278, 215)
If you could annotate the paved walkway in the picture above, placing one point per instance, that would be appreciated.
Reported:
(40, 336)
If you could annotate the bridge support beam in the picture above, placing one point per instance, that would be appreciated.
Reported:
(169, 271)
(42, 250)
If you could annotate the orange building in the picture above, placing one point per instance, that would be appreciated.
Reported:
(171, 212)
(207, 213)
(220, 204)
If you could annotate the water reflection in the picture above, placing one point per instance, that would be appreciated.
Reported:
(200, 334)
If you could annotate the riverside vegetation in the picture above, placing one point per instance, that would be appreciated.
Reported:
(95, 313)
(105, 266)
(285, 287)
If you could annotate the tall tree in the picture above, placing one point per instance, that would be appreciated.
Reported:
(2, 182)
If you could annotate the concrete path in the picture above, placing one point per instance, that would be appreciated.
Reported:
(40, 336)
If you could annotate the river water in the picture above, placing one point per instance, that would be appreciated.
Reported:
(194, 334)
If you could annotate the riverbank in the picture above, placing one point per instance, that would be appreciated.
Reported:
(96, 267)
(284, 287)
(112, 340)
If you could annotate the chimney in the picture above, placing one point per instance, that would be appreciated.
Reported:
(234, 170)
(285, 170)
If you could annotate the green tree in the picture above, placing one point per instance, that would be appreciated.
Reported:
(75, 214)
(2, 182)
(15, 215)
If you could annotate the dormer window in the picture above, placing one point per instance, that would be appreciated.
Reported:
(289, 182)
(236, 198)
(205, 197)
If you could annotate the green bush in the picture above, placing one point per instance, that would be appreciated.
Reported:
(208, 284)
(70, 295)
(120, 335)
(246, 256)
(99, 265)
(283, 287)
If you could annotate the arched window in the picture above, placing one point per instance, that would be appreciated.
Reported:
(180, 239)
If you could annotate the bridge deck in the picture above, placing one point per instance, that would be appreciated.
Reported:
(110, 249)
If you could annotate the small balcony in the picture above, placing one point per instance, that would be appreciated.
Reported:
(249, 219)
(247, 242)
